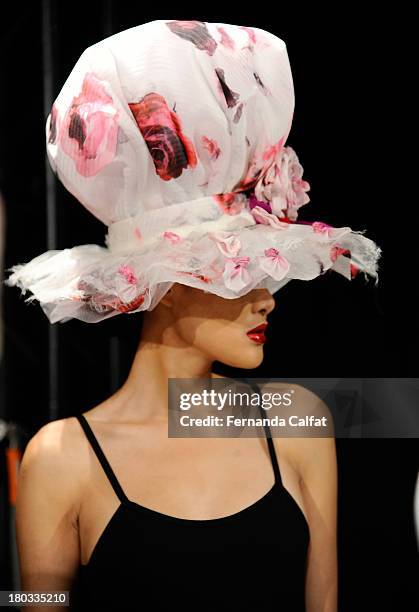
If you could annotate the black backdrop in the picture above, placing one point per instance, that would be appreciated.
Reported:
(348, 112)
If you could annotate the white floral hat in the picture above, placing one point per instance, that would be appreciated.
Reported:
(173, 134)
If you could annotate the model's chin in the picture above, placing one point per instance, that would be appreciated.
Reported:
(254, 360)
(249, 358)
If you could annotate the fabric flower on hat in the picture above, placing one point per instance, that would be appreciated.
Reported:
(282, 185)
(323, 228)
(236, 275)
(126, 283)
(274, 264)
(262, 216)
(227, 242)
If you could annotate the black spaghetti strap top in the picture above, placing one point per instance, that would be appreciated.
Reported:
(254, 559)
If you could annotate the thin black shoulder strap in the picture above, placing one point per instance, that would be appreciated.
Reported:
(268, 433)
(102, 459)
(272, 453)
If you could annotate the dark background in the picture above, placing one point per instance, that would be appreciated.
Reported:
(349, 109)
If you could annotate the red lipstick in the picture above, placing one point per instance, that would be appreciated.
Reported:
(257, 334)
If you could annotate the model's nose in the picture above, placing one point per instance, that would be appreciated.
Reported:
(264, 302)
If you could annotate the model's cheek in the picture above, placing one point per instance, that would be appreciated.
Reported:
(234, 345)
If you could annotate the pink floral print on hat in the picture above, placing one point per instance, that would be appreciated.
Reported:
(90, 128)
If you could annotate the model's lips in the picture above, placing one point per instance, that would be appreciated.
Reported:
(258, 329)
(257, 334)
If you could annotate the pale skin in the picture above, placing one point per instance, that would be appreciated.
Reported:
(64, 499)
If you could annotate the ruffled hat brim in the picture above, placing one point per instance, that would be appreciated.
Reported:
(91, 283)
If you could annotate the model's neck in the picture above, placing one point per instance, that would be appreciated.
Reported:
(146, 388)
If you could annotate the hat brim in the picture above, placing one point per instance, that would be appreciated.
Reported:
(91, 283)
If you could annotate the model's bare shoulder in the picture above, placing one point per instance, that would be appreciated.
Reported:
(49, 489)
(53, 461)
(307, 402)
(301, 403)
(309, 441)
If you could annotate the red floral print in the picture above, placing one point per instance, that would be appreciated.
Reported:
(251, 34)
(170, 148)
(106, 302)
(211, 146)
(52, 136)
(231, 203)
(226, 39)
(231, 97)
(336, 251)
(196, 32)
